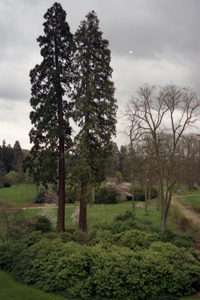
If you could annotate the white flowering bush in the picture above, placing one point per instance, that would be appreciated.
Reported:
(49, 211)
(75, 216)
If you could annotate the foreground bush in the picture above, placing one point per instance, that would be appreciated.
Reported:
(103, 270)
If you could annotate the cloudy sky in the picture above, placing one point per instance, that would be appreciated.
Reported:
(151, 41)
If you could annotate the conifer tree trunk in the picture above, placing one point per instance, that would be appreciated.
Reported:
(83, 208)
(61, 197)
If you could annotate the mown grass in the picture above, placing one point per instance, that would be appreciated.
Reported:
(184, 191)
(106, 213)
(10, 289)
(190, 200)
(22, 194)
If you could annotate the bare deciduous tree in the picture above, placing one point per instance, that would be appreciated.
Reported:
(162, 115)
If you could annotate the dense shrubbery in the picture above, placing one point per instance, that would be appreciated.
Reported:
(180, 239)
(106, 196)
(103, 270)
(139, 194)
(126, 259)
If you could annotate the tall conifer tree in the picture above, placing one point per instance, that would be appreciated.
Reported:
(94, 106)
(50, 82)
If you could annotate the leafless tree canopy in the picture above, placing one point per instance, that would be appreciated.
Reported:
(158, 117)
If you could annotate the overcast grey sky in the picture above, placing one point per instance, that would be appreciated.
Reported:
(151, 41)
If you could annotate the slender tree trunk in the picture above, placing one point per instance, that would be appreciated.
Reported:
(132, 177)
(83, 208)
(158, 203)
(149, 196)
(145, 191)
(133, 196)
(162, 202)
(93, 195)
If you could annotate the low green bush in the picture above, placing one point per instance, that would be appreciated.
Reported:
(39, 197)
(179, 239)
(106, 196)
(127, 221)
(122, 217)
(134, 238)
(7, 184)
(43, 224)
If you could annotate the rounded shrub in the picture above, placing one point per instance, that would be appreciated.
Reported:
(7, 184)
(106, 196)
(43, 224)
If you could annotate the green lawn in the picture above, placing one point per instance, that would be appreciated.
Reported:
(10, 289)
(185, 191)
(190, 200)
(101, 213)
(22, 194)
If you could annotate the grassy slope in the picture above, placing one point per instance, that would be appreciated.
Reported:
(10, 289)
(22, 195)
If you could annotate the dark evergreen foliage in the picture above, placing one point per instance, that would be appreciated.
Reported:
(106, 196)
(10, 157)
(94, 107)
(51, 82)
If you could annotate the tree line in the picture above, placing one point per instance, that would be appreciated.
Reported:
(10, 160)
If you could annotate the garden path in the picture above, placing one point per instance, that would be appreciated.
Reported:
(186, 209)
